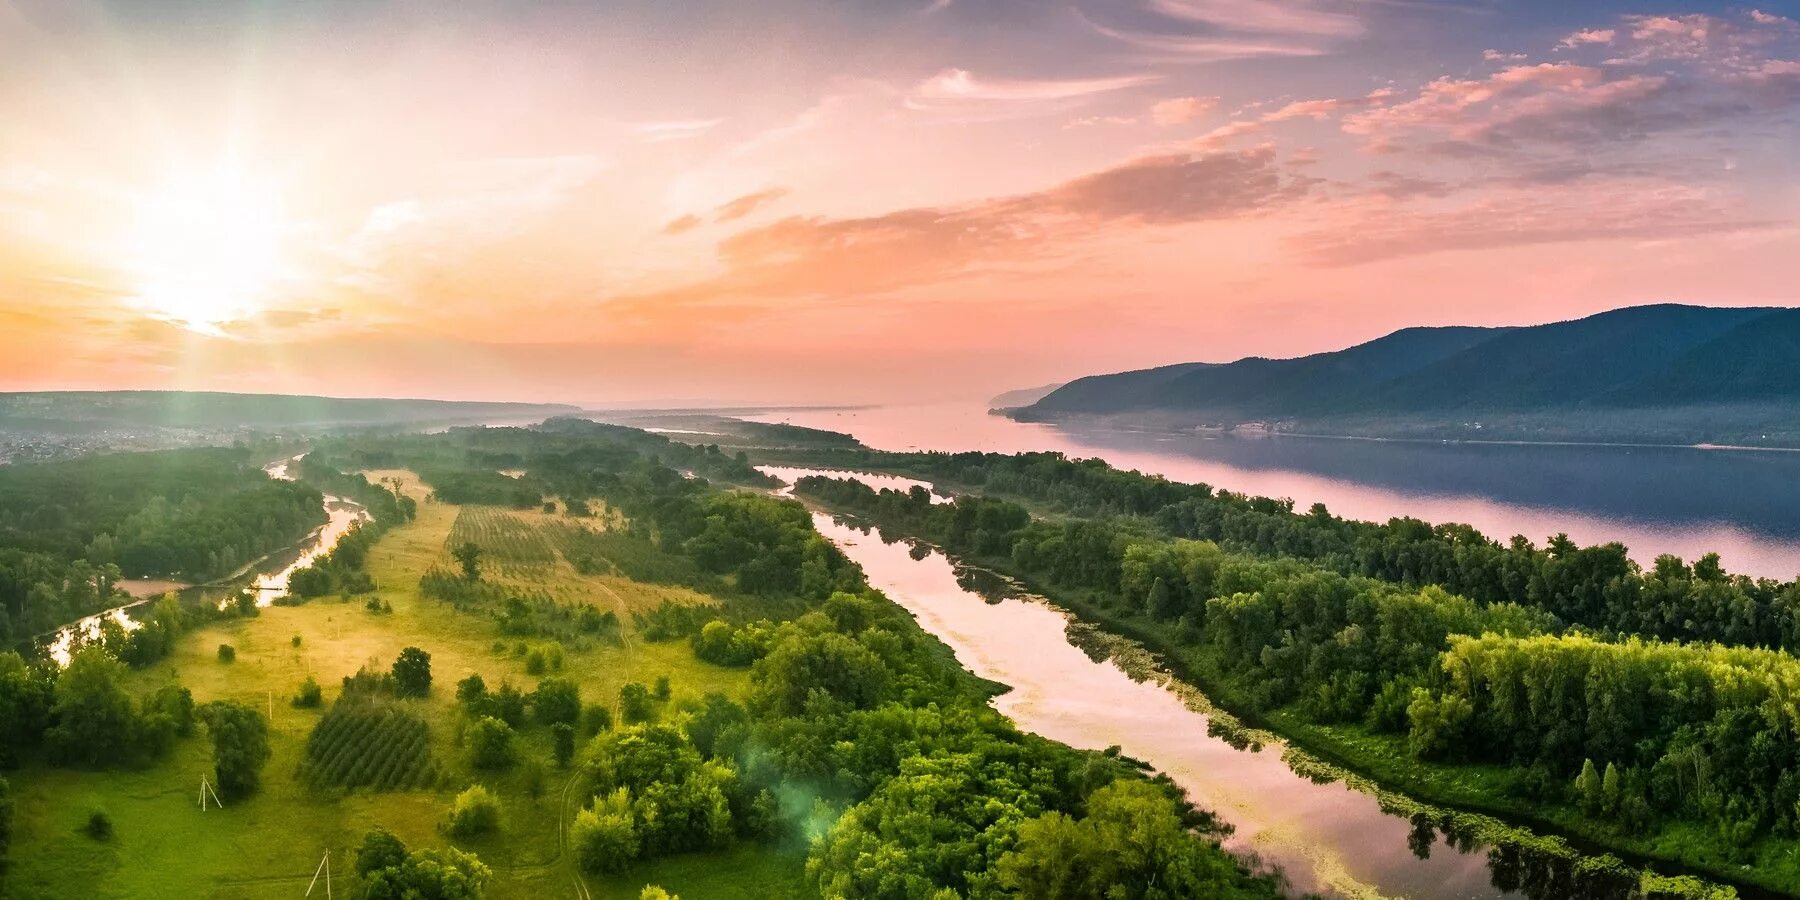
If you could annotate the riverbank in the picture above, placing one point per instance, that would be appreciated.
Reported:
(1474, 800)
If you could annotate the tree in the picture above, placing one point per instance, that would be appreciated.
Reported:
(412, 673)
(227, 653)
(562, 735)
(380, 850)
(557, 700)
(634, 703)
(1610, 789)
(447, 874)
(240, 737)
(95, 722)
(661, 690)
(1588, 788)
(471, 690)
(469, 557)
(476, 811)
(605, 835)
(490, 743)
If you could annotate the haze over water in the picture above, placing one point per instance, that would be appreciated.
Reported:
(1743, 505)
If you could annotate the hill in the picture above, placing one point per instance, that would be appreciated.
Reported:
(1656, 373)
(1022, 396)
(77, 410)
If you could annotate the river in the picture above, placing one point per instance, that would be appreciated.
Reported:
(1324, 837)
(340, 516)
(1745, 505)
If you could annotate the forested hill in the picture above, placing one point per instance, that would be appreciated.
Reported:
(197, 409)
(1665, 372)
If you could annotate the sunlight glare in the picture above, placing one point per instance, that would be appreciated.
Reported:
(205, 248)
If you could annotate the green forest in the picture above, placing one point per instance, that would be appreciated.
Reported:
(70, 531)
(1647, 709)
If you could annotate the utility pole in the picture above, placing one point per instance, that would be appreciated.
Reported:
(324, 867)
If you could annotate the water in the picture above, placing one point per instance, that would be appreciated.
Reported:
(341, 515)
(1745, 505)
(1325, 838)
(790, 474)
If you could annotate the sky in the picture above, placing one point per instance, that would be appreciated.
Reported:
(852, 201)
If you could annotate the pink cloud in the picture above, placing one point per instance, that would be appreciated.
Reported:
(1181, 110)
(1589, 36)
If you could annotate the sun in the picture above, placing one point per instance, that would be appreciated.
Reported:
(205, 248)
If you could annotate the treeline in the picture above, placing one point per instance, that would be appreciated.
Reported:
(1671, 732)
(1598, 587)
(71, 531)
(195, 513)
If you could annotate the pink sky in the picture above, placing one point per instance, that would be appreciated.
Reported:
(814, 201)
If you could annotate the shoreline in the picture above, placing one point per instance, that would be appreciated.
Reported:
(1067, 424)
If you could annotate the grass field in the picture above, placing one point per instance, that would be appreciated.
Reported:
(270, 844)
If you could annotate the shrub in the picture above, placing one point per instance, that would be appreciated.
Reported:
(634, 703)
(563, 739)
(227, 653)
(475, 812)
(294, 641)
(490, 743)
(310, 695)
(99, 826)
(662, 687)
(595, 719)
(604, 836)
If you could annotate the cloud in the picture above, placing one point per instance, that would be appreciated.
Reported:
(1262, 16)
(681, 225)
(1621, 209)
(839, 258)
(1213, 30)
(1093, 121)
(1298, 109)
(953, 88)
(677, 130)
(732, 210)
(1501, 56)
(1181, 110)
(1587, 36)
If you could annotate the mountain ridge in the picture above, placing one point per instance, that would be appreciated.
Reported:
(1728, 372)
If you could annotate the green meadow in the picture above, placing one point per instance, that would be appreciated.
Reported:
(270, 844)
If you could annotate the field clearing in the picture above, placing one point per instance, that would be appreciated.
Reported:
(269, 844)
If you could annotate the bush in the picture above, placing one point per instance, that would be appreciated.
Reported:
(227, 653)
(490, 743)
(604, 835)
(310, 695)
(661, 691)
(634, 703)
(294, 641)
(595, 719)
(563, 740)
(475, 812)
(99, 826)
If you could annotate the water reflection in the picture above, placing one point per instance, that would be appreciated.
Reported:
(1323, 835)
(1743, 504)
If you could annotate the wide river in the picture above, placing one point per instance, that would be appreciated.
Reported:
(1742, 504)
(1324, 837)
